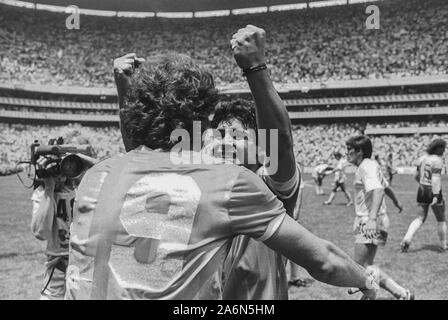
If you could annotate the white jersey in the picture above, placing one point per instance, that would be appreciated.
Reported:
(367, 178)
(339, 173)
(58, 242)
(319, 169)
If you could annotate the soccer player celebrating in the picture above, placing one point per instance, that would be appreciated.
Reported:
(339, 179)
(252, 270)
(318, 174)
(145, 227)
(429, 171)
(256, 272)
(371, 222)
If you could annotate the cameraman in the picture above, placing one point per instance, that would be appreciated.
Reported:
(51, 218)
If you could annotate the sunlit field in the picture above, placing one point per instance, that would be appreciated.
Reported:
(422, 269)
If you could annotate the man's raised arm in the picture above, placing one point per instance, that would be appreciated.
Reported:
(123, 69)
(248, 49)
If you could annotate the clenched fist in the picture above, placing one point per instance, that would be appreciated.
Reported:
(248, 46)
(126, 64)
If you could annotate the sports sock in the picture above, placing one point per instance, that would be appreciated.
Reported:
(413, 227)
(441, 231)
(390, 285)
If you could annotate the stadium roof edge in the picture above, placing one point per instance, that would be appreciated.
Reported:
(112, 7)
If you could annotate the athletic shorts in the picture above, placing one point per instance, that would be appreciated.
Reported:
(318, 179)
(425, 196)
(338, 185)
(382, 227)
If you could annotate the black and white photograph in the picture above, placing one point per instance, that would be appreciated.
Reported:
(248, 151)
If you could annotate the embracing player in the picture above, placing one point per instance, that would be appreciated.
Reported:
(145, 227)
(429, 171)
(253, 271)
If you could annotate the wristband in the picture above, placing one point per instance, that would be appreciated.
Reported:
(260, 67)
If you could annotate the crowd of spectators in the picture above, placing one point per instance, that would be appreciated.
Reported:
(303, 45)
(313, 144)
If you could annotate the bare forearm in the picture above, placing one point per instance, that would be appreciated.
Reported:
(122, 83)
(377, 199)
(341, 270)
(322, 259)
(436, 183)
(272, 114)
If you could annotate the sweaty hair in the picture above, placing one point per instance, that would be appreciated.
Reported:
(435, 145)
(360, 143)
(240, 109)
(166, 93)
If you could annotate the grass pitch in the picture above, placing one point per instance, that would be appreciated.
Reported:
(422, 269)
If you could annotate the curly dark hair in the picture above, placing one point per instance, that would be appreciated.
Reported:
(166, 93)
(436, 146)
(241, 109)
(361, 143)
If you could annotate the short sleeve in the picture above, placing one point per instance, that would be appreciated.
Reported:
(253, 209)
(36, 197)
(371, 176)
(437, 167)
(283, 190)
(37, 194)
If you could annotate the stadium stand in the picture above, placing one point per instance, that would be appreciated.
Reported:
(305, 45)
(393, 86)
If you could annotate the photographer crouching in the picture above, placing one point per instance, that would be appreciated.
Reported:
(59, 169)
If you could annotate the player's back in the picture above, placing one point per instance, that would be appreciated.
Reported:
(428, 165)
(146, 229)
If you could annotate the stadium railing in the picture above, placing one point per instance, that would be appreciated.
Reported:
(422, 97)
(405, 131)
(397, 112)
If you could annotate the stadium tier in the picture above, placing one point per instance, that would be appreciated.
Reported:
(335, 77)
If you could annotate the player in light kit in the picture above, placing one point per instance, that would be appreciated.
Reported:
(318, 174)
(371, 222)
(339, 179)
(429, 171)
(147, 228)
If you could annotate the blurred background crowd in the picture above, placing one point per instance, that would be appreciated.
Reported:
(313, 144)
(303, 45)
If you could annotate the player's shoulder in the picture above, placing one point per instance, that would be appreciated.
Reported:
(436, 161)
(246, 182)
(422, 158)
(368, 164)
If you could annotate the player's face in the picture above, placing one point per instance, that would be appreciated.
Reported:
(237, 143)
(354, 157)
